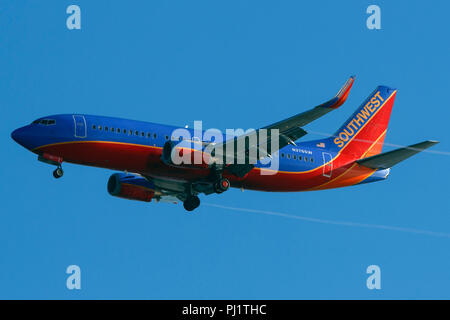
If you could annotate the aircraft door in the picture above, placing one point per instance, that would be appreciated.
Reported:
(80, 126)
(327, 164)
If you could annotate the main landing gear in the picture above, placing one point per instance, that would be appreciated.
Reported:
(221, 185)
(191, 203)
(58, 173)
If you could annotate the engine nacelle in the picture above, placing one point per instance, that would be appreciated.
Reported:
(130, 186)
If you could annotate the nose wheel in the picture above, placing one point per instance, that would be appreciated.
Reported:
(58, 173)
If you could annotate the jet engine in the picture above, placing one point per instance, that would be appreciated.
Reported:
(130, 186)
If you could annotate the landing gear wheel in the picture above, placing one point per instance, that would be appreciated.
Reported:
(222, 185)
(191, 203)
(58, 173)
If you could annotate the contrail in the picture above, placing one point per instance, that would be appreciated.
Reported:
(337, 223)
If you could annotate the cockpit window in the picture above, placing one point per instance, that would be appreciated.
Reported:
(45, 122)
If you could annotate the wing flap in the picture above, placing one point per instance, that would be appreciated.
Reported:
(389, 159)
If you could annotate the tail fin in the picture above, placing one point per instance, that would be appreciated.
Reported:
(363, 133)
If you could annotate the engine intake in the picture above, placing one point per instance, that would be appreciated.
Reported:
(130, 186)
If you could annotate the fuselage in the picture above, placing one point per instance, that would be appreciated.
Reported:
(136, 146)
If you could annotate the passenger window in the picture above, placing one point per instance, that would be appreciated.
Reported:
(294, 157)
(312, 159)
(94, 127)
(167, 137)
(143, 133)
(306, 158)
(300, 158)
(282, 155)
(136, 132)
(288, 156)
(148, 134)
(154, 136)
(106, 128)
(99, 127)
(130, 132)
(112, 129)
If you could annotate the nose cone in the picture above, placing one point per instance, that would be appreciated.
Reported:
(17, 134)
(22, 136)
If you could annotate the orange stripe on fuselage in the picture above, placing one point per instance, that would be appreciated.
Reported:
(354, 174)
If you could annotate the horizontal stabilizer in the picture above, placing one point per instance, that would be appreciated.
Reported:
(391, 158)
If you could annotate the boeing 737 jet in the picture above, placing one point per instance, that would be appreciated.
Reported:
(143, 152)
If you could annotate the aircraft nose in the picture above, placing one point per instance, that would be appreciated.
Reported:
(22, 136)
(17, 134)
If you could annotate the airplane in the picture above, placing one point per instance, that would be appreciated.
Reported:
(142, 151)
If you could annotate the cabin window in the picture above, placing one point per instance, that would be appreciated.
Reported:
(148, 134)
(312, 159)
(154, 136)
(143, 133)
(294, 157)
(99, 127)
(106, 128)
(288, 156)
(306, 159)
(300, 158)
(118, 130)
(167, 137)
(282, 155)
(94, 127)
(130, 132)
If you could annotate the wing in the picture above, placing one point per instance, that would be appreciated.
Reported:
(302, 119)
(289, 130)
(391, 158)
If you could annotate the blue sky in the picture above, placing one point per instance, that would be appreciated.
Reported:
(231, 64)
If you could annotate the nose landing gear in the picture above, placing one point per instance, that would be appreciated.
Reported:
(58, 173)
(53, 160)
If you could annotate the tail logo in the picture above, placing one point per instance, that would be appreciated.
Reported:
(359, 120)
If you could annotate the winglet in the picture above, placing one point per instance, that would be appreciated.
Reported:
(341, 96)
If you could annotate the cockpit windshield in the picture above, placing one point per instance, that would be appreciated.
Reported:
(45, 122)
